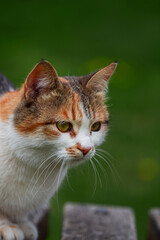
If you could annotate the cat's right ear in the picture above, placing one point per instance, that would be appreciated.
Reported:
(42, 79)
(98, 82)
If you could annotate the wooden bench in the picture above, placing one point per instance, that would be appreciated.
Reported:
(154, 224)
(94, 222)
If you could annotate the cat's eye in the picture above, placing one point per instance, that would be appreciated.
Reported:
(96, 126)
(64, 126)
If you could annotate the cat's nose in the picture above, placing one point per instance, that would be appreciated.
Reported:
(84, 150)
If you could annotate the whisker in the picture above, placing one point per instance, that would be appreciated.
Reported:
(67, 177)
(60, 173)
(48, 166)
(98, 176)
(59, 176)
(37, 172)
(105, 152)
(96, 172)
(102, 168)
(47, 176)
(111, 166)
(95, 182)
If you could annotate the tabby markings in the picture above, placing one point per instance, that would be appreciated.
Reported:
(50, 133)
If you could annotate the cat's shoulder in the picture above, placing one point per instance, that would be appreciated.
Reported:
(5, 85)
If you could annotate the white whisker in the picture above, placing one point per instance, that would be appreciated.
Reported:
(111, 162)
(114, 172)
(67, 177)
(102, 168)
(45, 179)
(96, 174)
(36, 176)
(105, 152)
(58, 160)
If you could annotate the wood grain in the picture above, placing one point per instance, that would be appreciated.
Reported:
(89, 222)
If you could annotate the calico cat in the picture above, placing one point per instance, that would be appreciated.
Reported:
(48, 125)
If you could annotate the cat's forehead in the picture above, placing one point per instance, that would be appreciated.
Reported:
(74, 102)
(79, 106)
(72, 109)
(79, 98)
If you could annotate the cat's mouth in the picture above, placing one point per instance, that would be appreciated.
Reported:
(82, 158)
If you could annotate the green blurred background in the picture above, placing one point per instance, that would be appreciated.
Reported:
(80, 37)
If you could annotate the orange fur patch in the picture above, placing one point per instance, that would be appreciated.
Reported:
(71, 110)
(26, 127)
(72, 150)
(12, 225)
(8, 102)
(76, 112)
(64, 113)
(50, 133)
(63, 80)
(74, 106)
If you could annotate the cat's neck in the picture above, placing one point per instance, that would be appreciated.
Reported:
(19, 148)
(35, 168)
(15, 144)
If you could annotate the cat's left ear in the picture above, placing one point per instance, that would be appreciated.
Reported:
(98, 82)
(42, 79)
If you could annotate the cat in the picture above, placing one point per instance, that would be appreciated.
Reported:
(47, 126)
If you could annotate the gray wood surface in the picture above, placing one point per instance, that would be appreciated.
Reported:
(154, 224)
(91, 222)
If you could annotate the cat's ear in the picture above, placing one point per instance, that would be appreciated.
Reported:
(99, 81)
(42, 79)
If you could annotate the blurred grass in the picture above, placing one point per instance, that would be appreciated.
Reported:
(80, 37)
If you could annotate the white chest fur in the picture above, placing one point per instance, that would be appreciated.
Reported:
(26, 180)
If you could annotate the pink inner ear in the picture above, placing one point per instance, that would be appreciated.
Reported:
(41, 78)
(105, 73)
(99, 80)
(35, 76)
(109, 70)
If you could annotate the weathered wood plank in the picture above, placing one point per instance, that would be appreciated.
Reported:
(154, 224)
(89, 222)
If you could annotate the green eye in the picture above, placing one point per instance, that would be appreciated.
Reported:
(96, 126)
(64, 126)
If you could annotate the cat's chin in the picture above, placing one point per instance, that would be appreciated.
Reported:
(79, 160)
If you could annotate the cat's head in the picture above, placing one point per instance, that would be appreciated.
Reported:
(65, 114)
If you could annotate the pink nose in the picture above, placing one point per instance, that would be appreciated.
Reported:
(84, 150)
